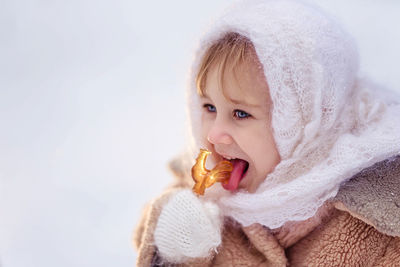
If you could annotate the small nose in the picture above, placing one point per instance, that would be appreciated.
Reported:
(219, 134)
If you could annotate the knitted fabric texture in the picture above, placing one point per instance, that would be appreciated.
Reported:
(187, 228)
(328, 123)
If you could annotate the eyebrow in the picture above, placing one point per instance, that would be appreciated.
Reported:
(243, 103)
(234, 101)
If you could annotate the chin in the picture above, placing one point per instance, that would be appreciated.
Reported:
(250, 183)
(247, 183)
(250, 188)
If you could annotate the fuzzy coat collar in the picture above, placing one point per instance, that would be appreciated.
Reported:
(374, 196)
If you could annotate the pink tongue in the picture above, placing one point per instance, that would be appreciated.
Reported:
(236, 174)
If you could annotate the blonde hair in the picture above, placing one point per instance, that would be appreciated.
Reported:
(231, 50)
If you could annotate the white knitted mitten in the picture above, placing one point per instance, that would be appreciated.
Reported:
(187, 228)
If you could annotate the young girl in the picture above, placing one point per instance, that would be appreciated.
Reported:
(314, 147)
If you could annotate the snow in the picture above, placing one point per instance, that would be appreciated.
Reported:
(92, 108)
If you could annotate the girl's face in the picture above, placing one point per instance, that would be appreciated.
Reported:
(236, 122)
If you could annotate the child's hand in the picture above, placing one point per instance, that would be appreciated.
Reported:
(187, 228)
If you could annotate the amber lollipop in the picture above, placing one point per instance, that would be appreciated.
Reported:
(204, 178)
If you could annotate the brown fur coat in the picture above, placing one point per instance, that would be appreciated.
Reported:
(359, 227)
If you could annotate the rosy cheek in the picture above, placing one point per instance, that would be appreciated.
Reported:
(204, 130)
(258, 154)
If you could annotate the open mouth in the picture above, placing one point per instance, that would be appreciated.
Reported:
(240, 168)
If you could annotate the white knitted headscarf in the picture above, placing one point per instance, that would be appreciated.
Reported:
(328, 123)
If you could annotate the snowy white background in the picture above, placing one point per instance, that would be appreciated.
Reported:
(92, 108)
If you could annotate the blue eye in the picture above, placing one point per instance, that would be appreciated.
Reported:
(240, 114)
(210, 108)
